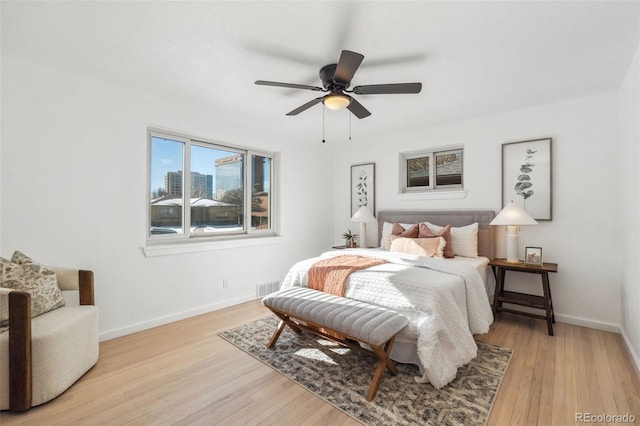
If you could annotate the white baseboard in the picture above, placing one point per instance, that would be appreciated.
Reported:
(145, 325)
(605, 326)
(589, 323)
(632, 352)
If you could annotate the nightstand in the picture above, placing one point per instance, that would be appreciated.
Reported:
(500, 267)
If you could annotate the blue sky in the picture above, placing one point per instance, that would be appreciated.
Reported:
(166, 156)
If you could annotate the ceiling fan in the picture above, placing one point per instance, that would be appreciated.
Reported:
(336, 79)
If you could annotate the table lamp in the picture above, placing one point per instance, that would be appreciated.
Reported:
(363, 215)
(512, 216)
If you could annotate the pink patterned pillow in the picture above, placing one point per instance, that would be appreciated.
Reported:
(426, 232)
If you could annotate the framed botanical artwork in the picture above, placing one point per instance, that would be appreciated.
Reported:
(363, 177)
(533, 256)
(526, 176)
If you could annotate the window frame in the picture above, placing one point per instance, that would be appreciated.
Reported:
(404, 158)
(221, 235)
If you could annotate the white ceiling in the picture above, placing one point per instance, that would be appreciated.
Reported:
(474, 58)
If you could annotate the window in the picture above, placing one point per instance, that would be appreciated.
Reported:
(227, 192)
(422, 171)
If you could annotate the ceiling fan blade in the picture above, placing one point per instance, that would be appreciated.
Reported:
(347, 66)
(395, 60)
(280, 51)
(289, 85)
(387, 89)
(357, 109)
(306, 106)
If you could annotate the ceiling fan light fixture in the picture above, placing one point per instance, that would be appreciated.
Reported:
(336, 78)
(337, 102)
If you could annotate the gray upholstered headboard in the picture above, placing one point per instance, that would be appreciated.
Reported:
(486, 237)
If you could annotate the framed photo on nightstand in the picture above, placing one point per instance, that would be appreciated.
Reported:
(533, 256)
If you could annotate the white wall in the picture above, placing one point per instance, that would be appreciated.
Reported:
(630, 188)
(73, 172)
(584, 235)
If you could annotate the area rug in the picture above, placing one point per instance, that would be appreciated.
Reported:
(342, 377)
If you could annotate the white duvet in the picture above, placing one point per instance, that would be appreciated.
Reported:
(445, 301)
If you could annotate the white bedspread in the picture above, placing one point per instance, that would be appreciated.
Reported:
(446, 303)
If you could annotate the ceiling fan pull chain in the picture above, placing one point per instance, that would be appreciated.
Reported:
(349, 126)
(323, 141)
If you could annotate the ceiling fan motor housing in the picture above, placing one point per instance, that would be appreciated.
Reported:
(326, 76)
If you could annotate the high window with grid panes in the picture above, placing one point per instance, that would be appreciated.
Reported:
(431, 170)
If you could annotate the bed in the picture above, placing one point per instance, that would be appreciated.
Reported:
(445, 300)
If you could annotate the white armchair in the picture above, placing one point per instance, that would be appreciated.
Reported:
(41, 357)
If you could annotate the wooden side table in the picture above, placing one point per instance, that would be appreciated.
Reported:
(500, 267)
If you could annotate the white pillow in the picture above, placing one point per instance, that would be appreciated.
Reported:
(387, 227)
(464, 239)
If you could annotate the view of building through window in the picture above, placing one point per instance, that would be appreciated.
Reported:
(260, 197)
(449, 168)
(217, 192)
(420, 175)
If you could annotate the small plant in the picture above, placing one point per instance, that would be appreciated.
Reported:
(350, 238)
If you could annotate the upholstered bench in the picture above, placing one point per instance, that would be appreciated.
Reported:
(342, 320)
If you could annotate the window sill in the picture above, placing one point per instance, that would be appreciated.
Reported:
(191, 246)
(434, 195)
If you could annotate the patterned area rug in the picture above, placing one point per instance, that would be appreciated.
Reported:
(342, 377)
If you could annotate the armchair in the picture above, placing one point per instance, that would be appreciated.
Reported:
(42, 357)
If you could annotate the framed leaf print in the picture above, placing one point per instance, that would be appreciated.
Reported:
(526, 176)
(363, 187)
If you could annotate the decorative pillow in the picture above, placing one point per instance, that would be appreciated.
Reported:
(390, 238)
(33, 278)
(426, 232)
(427, 247)
(386, 231)
(401, 231)
(464, 239)
(20, 258)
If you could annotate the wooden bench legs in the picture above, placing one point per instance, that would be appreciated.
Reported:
(284, 321)
(380, 352)
(383, 363)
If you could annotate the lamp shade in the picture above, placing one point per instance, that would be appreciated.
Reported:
(363, 215)
(337, 102)
(513, 214)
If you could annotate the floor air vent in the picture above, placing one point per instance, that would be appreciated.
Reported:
(266, 288)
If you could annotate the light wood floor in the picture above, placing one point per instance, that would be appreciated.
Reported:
(183, 373)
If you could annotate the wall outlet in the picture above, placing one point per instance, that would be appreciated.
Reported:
(225, 283)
